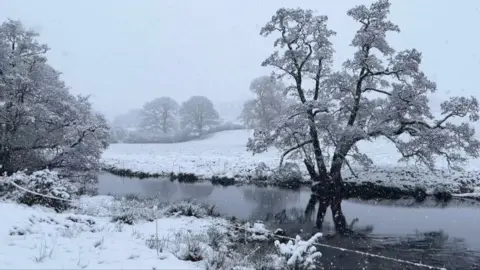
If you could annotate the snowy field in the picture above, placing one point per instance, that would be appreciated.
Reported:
(224, 153)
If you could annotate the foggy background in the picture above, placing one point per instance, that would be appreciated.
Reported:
(125, 53)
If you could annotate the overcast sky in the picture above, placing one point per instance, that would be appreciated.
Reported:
(124, 53)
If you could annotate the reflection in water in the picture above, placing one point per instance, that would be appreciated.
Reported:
(432, 248)
(202, 190)
(269, 201)
(446, 233)
(164, 190)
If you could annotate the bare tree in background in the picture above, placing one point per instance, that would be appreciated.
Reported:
(160, 115)
(267, 105)
(197, 114)
(42, 125)
(129, 120)
(377, 93)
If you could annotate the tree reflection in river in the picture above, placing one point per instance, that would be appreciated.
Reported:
(431, 248)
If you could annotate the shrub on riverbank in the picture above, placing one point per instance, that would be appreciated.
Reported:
(130, 173)
(43, 182)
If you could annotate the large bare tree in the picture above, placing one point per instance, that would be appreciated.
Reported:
(160, 115)
(379, 92)
(198, 114)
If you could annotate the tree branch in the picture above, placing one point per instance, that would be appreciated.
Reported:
(293, 149)
(377, 90)
(350, 168)
(317, 78)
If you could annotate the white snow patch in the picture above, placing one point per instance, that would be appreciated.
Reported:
(468, 195)
(35, 238)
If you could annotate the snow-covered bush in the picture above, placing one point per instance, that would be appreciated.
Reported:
(256, 231)
(262, 171)
(43, 182)
(190, 247)
(186, 208)
(216, 238)
(288, 172)
(217, 260)
(299, 254)
(128, 210)
(132, 209)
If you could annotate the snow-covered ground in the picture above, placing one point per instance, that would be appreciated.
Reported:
(90, 238)
(224, 153)
(36, 238)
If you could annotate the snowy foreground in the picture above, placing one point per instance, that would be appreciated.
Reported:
(104, 233)
(36, 238)
(224, 153)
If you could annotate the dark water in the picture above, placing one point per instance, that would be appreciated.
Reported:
(439, 234)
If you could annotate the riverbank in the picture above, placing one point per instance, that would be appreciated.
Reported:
(375, 183)
(223, 159)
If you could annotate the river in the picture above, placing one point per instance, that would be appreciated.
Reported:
(439, 234)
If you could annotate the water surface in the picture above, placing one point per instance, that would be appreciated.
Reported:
(441, 234)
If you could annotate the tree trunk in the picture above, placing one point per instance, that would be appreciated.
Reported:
(310, 207)
(321, 193)
(328, 192)
(311, 170)
(336, 197)
(323, 204)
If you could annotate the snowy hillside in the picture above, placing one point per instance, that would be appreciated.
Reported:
(221, 153)
(224, 153)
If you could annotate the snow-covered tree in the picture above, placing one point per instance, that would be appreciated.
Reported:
(268, 103)
(118, 134)
(41, 123)
(129, 120)
(160, 115)
(198, 113)
(379, 92)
